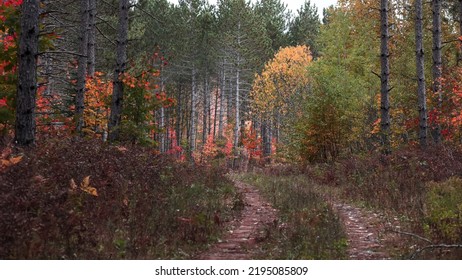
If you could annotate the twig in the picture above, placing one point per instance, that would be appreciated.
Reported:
(412, 234)
(372, 71)
(61, 52)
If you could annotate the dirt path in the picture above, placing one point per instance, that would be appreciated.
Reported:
(366, 232)
(245, 234)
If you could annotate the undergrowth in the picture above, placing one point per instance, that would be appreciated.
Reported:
(422, 188)
(307, 229)
(134, 204)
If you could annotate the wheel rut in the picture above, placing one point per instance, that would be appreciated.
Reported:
(241, 241)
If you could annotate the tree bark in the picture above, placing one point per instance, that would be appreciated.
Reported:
(222, 107)
(121, 61)
(27, 74)
(91, 60)
(385, 75)
(192, 132)
(422, 99)
(237, 107)
(437, 66)
(82, 65)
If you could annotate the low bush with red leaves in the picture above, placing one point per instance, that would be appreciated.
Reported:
(77, 199)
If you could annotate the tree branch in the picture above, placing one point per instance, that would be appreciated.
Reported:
(412, 234)
(62, 52)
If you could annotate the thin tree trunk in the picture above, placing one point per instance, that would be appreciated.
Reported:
(229, 102)
(237, 116)
(422, 100)
(222, 107)
(179, 117)
(27, 73)
(385, 75)
(82, 65)
(121, 60)
(206, 109)
(437, 66)
(162, 116)
(91, 60)
(192, 133)
(266, 135)
(215, 115)
(237, 104)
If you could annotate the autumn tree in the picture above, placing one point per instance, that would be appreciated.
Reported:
(281, 86)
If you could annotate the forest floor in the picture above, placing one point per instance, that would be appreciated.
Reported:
(367, 232)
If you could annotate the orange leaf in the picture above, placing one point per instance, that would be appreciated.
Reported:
(15, 160)
(85, 186)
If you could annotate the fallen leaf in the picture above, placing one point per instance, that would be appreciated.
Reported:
(73, 185)
(5, 162)
(90, 190)
(122, 149)
(15, 160)
(85, 182)
(85, 186)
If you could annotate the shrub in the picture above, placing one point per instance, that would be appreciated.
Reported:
(444, 210)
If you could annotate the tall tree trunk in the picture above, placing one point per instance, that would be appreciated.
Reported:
(215, 113)
(206, 110)
(222, 98)
(121, 61)
(82, 65)
(162, 122)
(91, 60)
(385, 75)
(237, 100)
(179, 116)
(237, 116)
(266, 135)
(437, 66)
(192, 132)
(459, 54)
(27, 73)
(422, 100)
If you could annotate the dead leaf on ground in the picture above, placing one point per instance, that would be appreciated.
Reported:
(11, 161)
(84, 186)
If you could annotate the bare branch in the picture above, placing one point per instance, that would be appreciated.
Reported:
(412, 235)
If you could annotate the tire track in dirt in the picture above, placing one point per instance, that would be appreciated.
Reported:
(365, 232)
(240, 242)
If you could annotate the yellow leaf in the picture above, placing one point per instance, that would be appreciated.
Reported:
(85, 186)
(90, 190)
(85, 182)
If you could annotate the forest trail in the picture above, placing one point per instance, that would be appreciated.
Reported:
(240, 242)
(364, 230)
